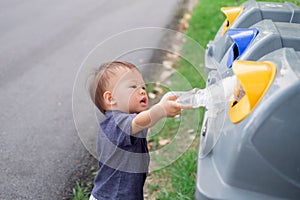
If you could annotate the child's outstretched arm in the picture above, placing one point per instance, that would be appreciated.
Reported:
(167, 107)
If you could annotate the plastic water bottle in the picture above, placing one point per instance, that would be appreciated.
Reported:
(195, 97)
(220, 92)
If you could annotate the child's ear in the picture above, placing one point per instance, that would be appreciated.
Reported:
(108, 99)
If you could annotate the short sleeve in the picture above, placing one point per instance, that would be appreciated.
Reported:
(117, 148)
(123, 128)
(117, 128)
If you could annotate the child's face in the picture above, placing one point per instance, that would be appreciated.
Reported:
(129, 92)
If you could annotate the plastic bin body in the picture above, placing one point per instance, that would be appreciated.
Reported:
(253, 13)
(257, 11)
(271, 36)
(259, 157)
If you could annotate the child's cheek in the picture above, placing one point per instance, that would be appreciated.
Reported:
(131, 100)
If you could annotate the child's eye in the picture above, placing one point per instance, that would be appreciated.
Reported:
(133, 86)
(144, 88)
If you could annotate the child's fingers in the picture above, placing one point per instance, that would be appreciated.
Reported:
(172, 98)
(182, 106)
(186, 107)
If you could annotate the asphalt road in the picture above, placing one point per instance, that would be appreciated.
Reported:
(42, 46)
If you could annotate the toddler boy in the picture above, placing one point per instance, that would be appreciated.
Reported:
(119, 92)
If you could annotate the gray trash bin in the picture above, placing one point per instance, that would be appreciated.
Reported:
(254, 154)
(247, 15)
(249, 148)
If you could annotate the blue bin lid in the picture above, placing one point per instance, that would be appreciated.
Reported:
(242, 38)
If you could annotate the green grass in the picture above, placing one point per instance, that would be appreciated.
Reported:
(83, 189)
(81, 192)
(182, 176)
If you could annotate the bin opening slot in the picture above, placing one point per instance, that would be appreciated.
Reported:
(242, 38)
(239, 93)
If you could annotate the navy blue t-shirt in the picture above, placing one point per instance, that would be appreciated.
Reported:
(123, 159)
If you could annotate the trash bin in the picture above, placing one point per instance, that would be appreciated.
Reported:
(262, 38)
(245, 16)
(251, 12)
(250, 148)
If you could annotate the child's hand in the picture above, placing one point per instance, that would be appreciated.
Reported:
(167, 107)
(170, 107)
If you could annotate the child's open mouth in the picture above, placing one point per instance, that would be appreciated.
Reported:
(143, 102)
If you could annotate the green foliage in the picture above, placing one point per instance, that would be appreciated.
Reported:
(182, 176)
(80, 193)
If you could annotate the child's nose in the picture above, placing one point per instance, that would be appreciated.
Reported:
(142, 91)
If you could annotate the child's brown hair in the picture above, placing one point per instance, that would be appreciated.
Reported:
(101, 82)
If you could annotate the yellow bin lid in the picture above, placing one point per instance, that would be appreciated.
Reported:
(255, 78)
(231, 14)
